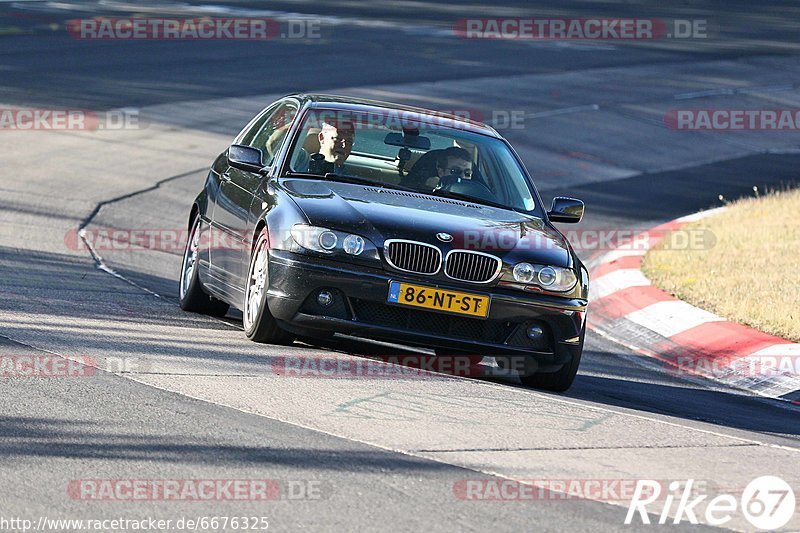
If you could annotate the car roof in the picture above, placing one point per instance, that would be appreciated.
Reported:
(364, 105)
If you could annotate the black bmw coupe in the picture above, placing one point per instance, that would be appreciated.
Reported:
(332, 214)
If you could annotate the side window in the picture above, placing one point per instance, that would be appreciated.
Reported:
(248, 134)
(269, 133)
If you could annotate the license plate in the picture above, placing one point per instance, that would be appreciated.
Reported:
(461, 303)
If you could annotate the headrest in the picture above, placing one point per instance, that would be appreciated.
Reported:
(311, 142)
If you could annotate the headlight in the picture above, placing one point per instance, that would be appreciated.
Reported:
(314, 238)
(353, 244)
(549, 278)
(524, 272)
(328, 241)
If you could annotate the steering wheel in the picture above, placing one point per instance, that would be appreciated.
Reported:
(472, 187)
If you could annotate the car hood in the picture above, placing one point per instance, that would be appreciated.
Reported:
(381, 213)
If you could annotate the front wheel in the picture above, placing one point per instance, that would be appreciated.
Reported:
(561, 380)
(192, 296)
(259, 324)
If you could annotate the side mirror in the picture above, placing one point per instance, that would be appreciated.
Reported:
(567, 210)
(245, 158)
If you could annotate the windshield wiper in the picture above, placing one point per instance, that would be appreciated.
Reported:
(331, 176)
(467, 198)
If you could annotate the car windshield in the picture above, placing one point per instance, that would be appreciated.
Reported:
(392, 149)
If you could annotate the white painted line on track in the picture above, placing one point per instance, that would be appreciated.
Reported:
(504, 388)
(792, 350)
(617, 280)
(650, 360)
(671, 317)
(613, 255)
(480, 383)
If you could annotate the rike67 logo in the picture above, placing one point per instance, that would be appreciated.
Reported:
(768, 503)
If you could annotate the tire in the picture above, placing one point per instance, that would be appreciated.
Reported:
(259, 324)
(561, 380)
(192, 296)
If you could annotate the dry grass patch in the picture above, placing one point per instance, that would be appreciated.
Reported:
(751, 274)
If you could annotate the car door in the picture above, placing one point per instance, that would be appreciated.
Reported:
(231, 214)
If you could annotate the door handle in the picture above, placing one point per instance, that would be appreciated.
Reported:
(226, 177)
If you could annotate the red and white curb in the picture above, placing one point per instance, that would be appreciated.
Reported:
(627, 308)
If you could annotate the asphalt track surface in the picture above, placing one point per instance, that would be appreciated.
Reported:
(198, 401)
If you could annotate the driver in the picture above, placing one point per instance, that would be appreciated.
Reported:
(453, 165)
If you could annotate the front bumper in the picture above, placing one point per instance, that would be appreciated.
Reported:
(360, 308)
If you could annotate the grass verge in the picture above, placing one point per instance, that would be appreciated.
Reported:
(751, 274)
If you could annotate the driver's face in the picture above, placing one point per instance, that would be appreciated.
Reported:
(336, 144)
(458, 168)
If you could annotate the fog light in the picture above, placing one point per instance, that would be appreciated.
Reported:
(325, 298)
(535, 333)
